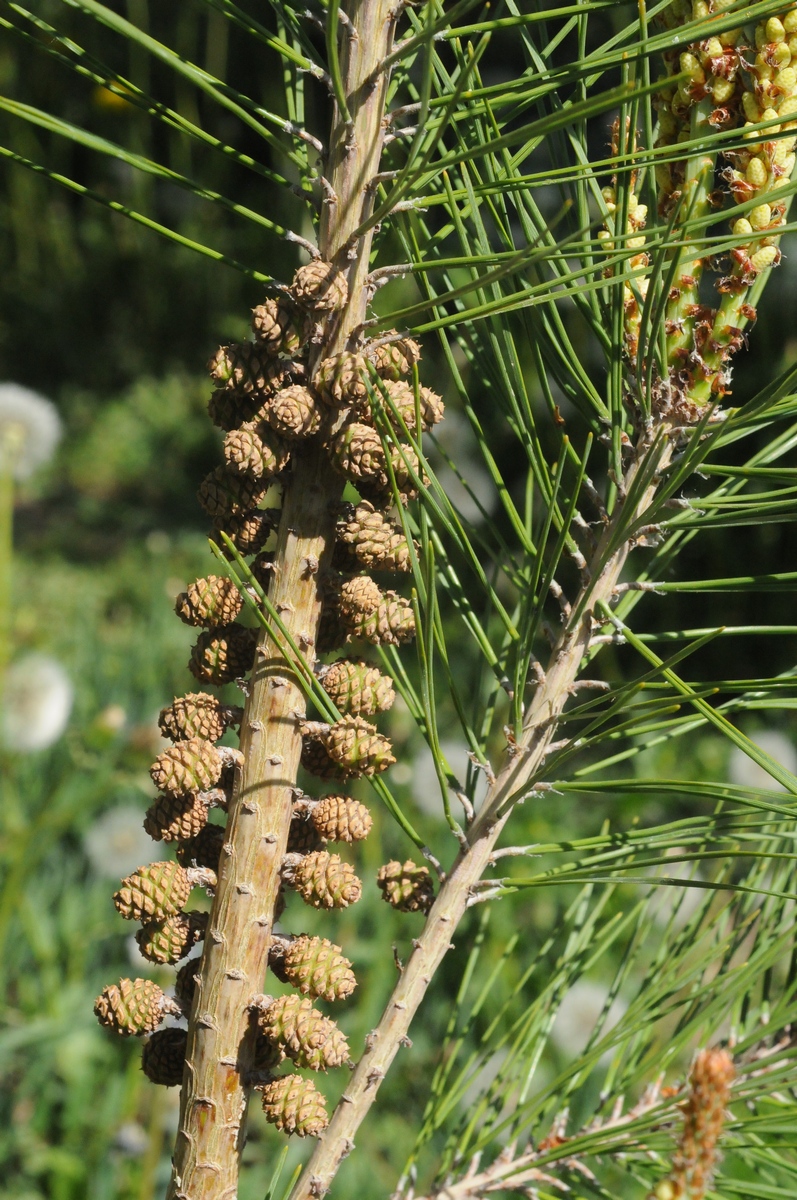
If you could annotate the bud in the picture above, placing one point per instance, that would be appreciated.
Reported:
(226, 491)
(320, 286)
(197, 715)
(133, 1007)
(212, 601)
(170, 940)
(406, 886)
(341, 819)
(314, 966)
(295, 1105)
(190, 766)
(223, 655)
(163, 1057)
(358, 747)
(322, 880)
(357, 687)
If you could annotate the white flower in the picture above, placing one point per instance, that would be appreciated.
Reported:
(116, 843)
(37, 699)
(743, 771)
(30, 429)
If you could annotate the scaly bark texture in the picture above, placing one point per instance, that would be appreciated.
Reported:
(221, 1033)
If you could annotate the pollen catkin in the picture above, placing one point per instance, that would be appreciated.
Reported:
(375, 540)
(395, 358)
(204, 850)
(357, 687)
(163, 1057)
(175, 817)
(320, 286)
(295, 1105)
(133, 1007)
(254, 450)
(406, 886)
(704, 1116)
(278, 326)
(211, 601)
(293, 412)
(153, 892)
(314, 966)
(358, 747)
(323, 880)
(197, 715)
(341, 380)
(223, 655)
(341, 819)
(226, 491)
(310, 1039)
(190, 766)
(170, 940)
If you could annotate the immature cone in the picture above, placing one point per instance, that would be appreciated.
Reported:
(277, 326)
(197, 715)
(314, 966)
(175, 817)
(190, 766)
(153, 892)
(312, 1040)
(358, 748)
(254, 450)
(248, 531)
(358, 597)
(406, 886)
(212, 601)
(375, 540)
(133, 1006)
(391, 623)
(295, 1105)
(341, 380)
(332, 631)
(357, 687)
(204, 850)
(316, 760)
(710, 1082)
(302, 835)
(341, 819)
(226, 490)
(185, 984)
(293, 412)
(401, 395)
(223, 655)
(357, 452)
(228, 409)
(323, 880)
(245, 368)
(163, 1057)
(170, 940)
(405, 466)
(396, 358)
(318, 285)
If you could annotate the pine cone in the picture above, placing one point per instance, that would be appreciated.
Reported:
(266, 1057)
(323, 880)
(302, 836)
(163, 1057)
(248, 531)
(134, 1006)
(185, 984)
(203, 850)
(312, 1040)
(190, 766)
(375, 540)
(357, 598)
(212, 601)
(279, 327)
(332, 633)
(197, 715)
(228, 409)
(153, 892)
(226, 491)
(402, 395)
(357, 687)
(170, 940)
(254, 450)
(357, 452)
(244, 367)
(314, 966)
(358, 747)
(341, 380)
(295, 1105)
(175, 817)
(390, 624)
(341, 819)
(316, 760)
(318, 285)
(293, 412)
(223, 655)
(406, 886)
(406, 467)
(396, 358)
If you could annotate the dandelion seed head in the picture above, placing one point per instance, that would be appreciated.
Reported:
(30, 429)
(37, 697)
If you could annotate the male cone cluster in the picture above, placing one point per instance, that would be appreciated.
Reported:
(271, 395)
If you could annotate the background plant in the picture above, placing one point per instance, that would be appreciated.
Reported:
(648, 782)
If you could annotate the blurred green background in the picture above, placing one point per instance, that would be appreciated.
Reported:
(115, 326)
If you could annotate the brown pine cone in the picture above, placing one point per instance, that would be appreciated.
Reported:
(203, 850)
(295, 1105)
(302, 836)
(175, 817)
(395, 358)
(341, 819)
(153, 892)
(197, 715)
(226, 491)
(133, 1007)
(228, 409)
(375, 540)
(358, 747)
(314, 966)
(293, 412)
(185, 984)
(319, 285)
(316, 760)
(170, 940)
(255, 450)
(163, 1057)
(211, 601)
(248, 531)
(402, 396)
(244, 367)
(357, 597)
(392, 623)
(323, 880)
(357, 452)
(223, 655)
(406, 886)
(342, 379)
(190, 766)
(279, 327)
